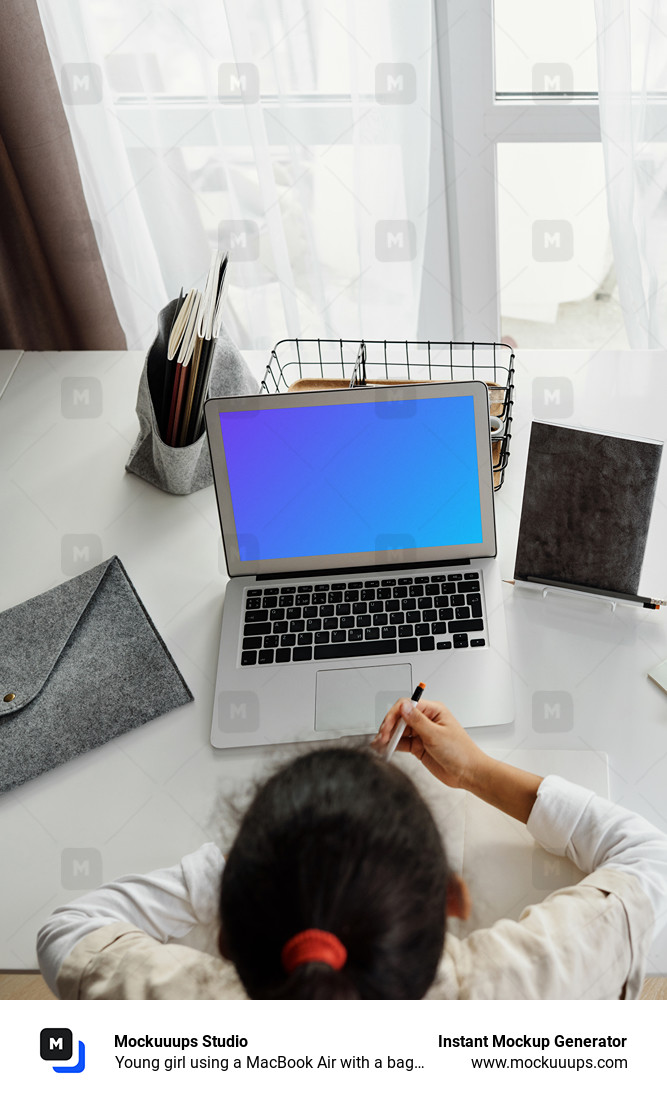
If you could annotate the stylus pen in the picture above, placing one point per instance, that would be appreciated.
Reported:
(396, 736)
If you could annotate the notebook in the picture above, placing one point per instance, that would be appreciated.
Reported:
(586, 507)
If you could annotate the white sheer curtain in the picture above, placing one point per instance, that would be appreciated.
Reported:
(302, 134)
(632, 65)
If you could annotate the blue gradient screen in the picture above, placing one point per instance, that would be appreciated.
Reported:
(344, 479)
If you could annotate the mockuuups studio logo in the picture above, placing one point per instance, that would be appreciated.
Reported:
(552, 78)
(55, 1045)
(81, 83)
(80, 869)
(79, 552)
(553, 712)
(238, 711)
(240, 82)
(395, 83)
(551, 872)
(553, 398)
(553, 240)
(393, 544)
(395, 240)
(81, 398)
(240, 239)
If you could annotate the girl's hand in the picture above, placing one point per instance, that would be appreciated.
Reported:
(435, 737)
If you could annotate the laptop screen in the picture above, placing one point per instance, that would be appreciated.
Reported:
(347, 482)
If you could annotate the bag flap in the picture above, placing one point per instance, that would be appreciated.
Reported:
(33, 635)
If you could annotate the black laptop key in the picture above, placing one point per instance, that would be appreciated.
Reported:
(380, 620)
(340, 586)
(441, 601)
(326, 609)
(406, 631)
(313, 624)
(376, 606)
(355, 635)
(270, 641)
(408, 645)
(251, 604)
(346, 621)
(439, 628)
(416, 589)
(285, 601)
(338, 635)
(282, 627)
(477, 641)
(364, 620)
(471, 576)
(424, 602)
(367, 594)
(460, 641)
(294, 612)
(254, 591)
(283, 655)
(469, 625)
(335, 597)
(408, 604)
(405, 580)
(457, 601)
(359, 608)
(322, 637)
(474, 602)
(462, 613)
(277, 614)
(397, 617)
(270, 601)
(302, 653)
(454, 577)
(256, 616)
(432, 589)
(302, 599)
(355, 584)
(389, 581)
(265, 657)
(400, 591)
(305, 588)
(392, 605)
(448, 588)
(430, 616)
(427, 643)
(249, 658)
(388, 632)
(445, 613)
(251, 629)
(253, 643)
(344, 650)
(412, 617)
(321, 587)
(439, 577)
(421, 629)
(319, 597)
(330, 624)
(288, 640)
(444, 645)
(371, 633)
(344, 609)
(468, 586)
(383, 593)
(304, 639)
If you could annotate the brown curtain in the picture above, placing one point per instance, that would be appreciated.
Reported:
(54, 293)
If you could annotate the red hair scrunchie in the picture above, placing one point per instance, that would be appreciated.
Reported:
(313, 945)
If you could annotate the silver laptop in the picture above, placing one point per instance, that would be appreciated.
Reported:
(359, 532)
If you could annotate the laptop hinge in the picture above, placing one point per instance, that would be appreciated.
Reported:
(403, 568)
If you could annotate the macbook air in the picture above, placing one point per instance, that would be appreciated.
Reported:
(359, 533)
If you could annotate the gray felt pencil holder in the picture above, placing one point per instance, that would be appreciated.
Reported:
(182, 470)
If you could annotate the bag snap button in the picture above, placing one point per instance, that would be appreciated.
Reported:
(9, 697)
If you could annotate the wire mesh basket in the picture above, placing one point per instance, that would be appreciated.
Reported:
(303, 364)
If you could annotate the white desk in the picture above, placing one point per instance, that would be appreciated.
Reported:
(9, 360)
(148, 797)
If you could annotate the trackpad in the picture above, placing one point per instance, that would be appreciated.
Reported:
(357, 699)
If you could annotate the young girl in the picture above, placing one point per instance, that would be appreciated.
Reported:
(337, 887)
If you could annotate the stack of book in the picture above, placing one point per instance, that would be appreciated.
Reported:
(187, 369)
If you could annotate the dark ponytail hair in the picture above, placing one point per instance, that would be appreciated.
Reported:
(338, 840)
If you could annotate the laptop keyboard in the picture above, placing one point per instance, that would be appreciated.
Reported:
(377, 617)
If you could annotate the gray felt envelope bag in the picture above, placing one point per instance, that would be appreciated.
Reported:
(79, 665)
